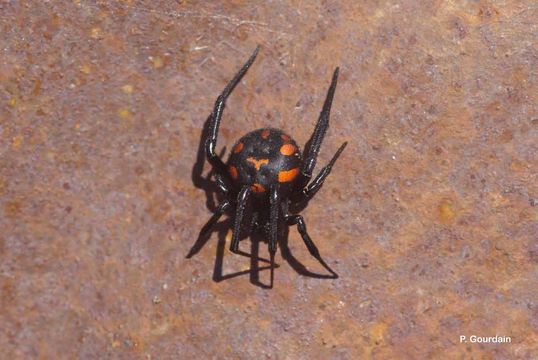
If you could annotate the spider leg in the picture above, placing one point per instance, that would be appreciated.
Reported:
(242, 202)
(221, 209)
(314, 186)
(216, 115)
(221, 184)
(274, 204)
(314, 144)
(215, 217)
(301, 227)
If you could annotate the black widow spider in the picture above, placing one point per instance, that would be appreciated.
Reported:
(266, 171)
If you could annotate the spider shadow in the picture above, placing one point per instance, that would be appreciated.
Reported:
(222, 228)
(210, 188)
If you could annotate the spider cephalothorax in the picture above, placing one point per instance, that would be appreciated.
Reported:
(267, 170)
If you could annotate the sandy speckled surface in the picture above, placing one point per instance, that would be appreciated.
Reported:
(430, 216)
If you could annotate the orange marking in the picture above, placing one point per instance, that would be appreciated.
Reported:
(258, 163)
(285, 137)
(265, 133)
(257, 188)
(287, 149)
(287, 175)
(238, 147)
(233, 172)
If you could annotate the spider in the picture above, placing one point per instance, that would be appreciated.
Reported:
(267, 173)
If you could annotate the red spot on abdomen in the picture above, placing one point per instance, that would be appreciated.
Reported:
(257, 188)
(233, 172)
(287, 149)
(238, 147)
(288, 175)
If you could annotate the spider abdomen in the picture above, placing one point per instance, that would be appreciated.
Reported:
(265, 157)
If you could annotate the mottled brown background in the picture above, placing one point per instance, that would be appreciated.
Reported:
(430, 216)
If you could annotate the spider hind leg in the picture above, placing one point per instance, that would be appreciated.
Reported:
(242, 203)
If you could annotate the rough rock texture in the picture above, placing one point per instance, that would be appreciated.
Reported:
(430, 216)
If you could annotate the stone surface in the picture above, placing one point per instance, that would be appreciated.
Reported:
(430, 216)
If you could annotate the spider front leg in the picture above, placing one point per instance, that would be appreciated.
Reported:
(216, 115)
(314, 144)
